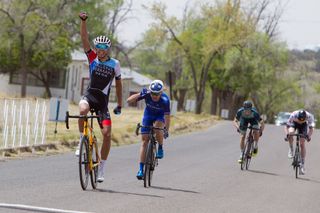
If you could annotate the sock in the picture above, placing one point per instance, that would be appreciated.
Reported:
(160, 146)
(291, 147)
(256, 144)
(141, 165)
(102, 163)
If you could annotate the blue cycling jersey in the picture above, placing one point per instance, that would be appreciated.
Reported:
(159, 108)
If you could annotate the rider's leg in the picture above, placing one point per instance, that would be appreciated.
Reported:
(83, 110)
(159, 133)
(291, 131)
(105, 148)
(159, 138)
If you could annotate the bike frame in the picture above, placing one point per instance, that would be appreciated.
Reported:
(91, 138)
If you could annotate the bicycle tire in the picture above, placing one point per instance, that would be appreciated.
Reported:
(83, 163)
(296, 161)
(243, 158)
(249, 154)
(147, 165)
(152, 163)
(95, 158)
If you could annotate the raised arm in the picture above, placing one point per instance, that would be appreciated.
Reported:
(83, 32)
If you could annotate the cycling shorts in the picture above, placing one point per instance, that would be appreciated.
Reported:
(98, 102)
(245, 122)
(149, 120)
(302, 128)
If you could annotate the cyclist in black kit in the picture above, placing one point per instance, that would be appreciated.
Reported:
(102, 70)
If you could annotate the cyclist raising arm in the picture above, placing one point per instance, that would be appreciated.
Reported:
(156, 113)
(102, 69)
(300, 120)
(245, 115)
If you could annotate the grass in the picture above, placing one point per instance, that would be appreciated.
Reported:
(123, 126)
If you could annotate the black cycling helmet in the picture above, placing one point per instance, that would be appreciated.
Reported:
(302, 115)
(247, 104)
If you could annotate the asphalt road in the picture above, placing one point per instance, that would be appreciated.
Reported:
(199, 173)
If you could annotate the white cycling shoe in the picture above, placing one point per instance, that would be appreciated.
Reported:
(290, 155)
(302, 170)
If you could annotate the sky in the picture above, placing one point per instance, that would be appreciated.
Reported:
(299, 26)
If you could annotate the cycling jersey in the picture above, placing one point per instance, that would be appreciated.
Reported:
(154, 111)
(253, 118)
(293, 120)
(102, 72)
(101, 77)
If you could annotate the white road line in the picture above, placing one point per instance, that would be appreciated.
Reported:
(36, 208)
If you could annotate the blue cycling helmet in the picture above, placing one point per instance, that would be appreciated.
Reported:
(247, 104)
(156, 86)
(302, 115)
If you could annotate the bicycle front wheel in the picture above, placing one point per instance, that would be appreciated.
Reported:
(147, 166)
(84, 167)
(95, 162)
(249, 154)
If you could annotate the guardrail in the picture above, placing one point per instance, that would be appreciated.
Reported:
(23, 122)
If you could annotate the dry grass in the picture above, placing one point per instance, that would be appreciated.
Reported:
(123, 126)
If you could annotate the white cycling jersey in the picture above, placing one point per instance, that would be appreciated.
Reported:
(294, 118)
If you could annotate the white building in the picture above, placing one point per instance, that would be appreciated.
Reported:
(72, 84)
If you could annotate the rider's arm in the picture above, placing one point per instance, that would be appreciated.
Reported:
(84, 35)
(167, 121)
(119, 91)
(236, 123)
(133, 98)
(261, 125)
(118, 84)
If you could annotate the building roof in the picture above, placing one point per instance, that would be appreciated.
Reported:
(136, 77)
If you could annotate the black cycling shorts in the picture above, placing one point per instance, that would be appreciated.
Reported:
(99, 102)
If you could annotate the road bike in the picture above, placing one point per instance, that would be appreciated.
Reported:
(296, 161)
(248, 150)
(89, 159)
(150, 156)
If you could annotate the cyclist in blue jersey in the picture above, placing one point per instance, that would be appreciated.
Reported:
(102, 70)
(248, 115)
(156, 113)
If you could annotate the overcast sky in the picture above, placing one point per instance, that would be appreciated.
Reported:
(299, 26)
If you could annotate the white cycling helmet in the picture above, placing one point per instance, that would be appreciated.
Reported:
(156, 86)
(102, 40)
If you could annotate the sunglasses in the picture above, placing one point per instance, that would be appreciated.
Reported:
(102, 46)
(155, 94)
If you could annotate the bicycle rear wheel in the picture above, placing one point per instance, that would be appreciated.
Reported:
(95, 162)
(84, 169)
(147, 176)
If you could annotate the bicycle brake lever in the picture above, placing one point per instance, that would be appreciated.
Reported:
(137, 129)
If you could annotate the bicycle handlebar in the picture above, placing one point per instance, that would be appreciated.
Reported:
(78, 116)
(150, 127)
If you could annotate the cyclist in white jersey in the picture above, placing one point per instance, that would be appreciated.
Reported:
(303, 122)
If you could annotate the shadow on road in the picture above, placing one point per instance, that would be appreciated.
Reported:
(127, 193)
(310, 180)
(263, 172)
(172, 189)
